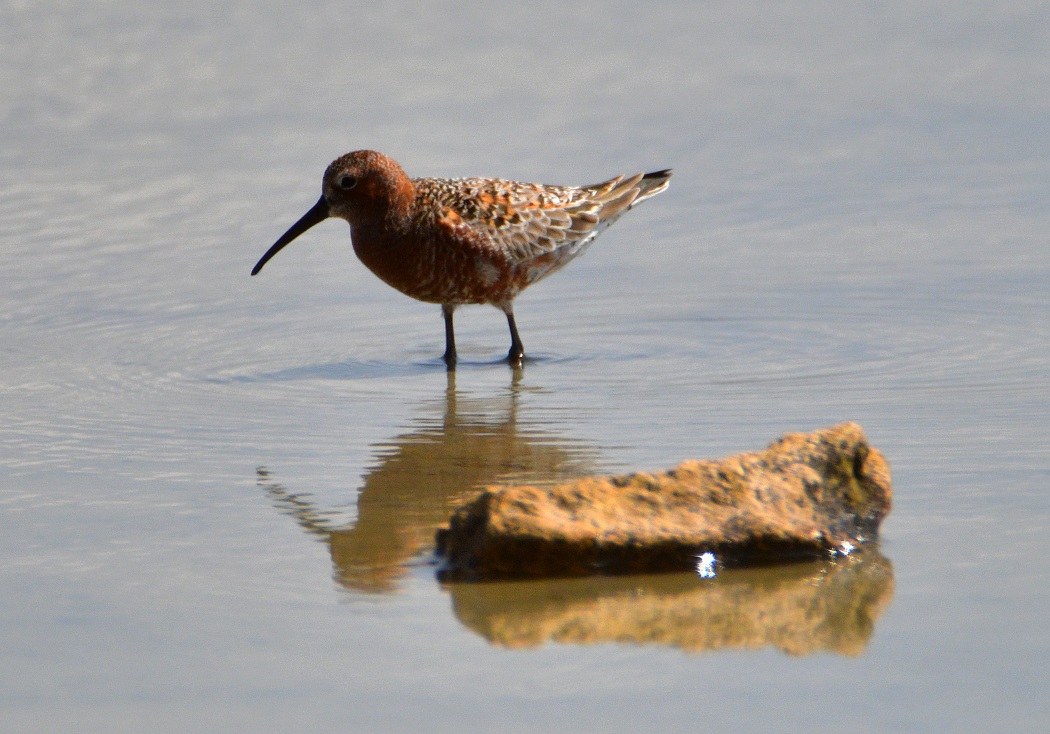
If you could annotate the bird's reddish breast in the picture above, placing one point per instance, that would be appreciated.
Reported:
(435, 253)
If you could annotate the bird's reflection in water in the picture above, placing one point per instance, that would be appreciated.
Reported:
(458, 445)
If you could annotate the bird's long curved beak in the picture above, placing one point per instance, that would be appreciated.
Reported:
(316, 215)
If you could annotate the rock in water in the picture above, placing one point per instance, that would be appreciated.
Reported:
(807, 495)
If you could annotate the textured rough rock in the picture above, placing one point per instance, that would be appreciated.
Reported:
(806, 495)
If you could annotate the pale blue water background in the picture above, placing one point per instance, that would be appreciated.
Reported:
(857, 229)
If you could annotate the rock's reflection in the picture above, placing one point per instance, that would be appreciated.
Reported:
(799, 609)
(458, 445)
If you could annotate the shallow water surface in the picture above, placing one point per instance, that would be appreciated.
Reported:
(219, 492)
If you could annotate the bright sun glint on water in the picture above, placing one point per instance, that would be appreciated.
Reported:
(705, 565)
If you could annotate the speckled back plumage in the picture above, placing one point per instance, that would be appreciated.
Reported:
(538, 227)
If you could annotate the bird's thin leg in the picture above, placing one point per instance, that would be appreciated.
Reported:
(450, 336)
(517, 349)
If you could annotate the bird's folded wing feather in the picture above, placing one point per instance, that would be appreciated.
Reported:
(526, 221)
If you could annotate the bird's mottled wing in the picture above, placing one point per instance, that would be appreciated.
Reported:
(526, 221)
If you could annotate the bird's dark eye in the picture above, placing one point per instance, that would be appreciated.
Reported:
(347, 182)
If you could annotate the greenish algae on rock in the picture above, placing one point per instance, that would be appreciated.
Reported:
(805, 496)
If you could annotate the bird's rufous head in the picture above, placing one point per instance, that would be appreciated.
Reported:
(363, 187)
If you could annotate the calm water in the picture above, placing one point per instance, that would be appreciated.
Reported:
(218, 493)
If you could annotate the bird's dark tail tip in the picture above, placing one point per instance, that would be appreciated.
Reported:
(652, 184)
(664, 174)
